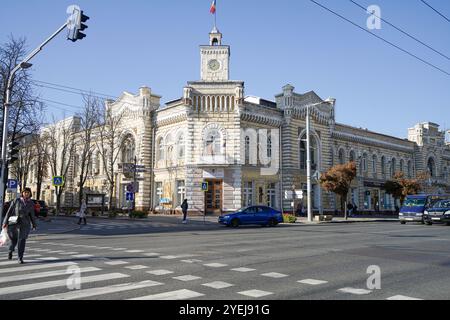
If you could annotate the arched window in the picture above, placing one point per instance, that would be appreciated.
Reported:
(181, 147)
(364, 163)
(128, 150)
(98, 162)
(374, 164)
(352, 157)
(393, 166)
(313, 153)
(341, 156)
(409, 169)
(247, 150)
(402, 165)
(431, 167)
(269, 147)
(160, 144)
(445, 173)
(213, 143)
(383, 165)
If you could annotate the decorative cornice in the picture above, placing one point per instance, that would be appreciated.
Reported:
(172, 119)
(261, 119)
(370, 141)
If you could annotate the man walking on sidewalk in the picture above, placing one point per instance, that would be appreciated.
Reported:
(184, 208)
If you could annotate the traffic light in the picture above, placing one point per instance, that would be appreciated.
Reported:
(13, 151)
(76, 23)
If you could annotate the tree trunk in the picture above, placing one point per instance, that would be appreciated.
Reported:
(345, 209)
(38, 190)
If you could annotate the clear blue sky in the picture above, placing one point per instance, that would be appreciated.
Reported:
(155, 43)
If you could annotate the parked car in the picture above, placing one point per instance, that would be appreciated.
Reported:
(438, 213)
(255, 215)
(414, 207)
(44, 209)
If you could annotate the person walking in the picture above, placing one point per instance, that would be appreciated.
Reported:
(18, 220)
(82, 212)
(184, 208)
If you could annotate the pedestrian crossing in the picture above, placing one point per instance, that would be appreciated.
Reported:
(122, 225)
(136, 274)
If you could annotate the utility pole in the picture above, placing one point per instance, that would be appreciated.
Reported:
(308, 165)
(134, 182)
(75, 25)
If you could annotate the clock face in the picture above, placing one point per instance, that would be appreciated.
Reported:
(214, 65)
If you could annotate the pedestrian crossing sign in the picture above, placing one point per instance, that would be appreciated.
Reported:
(58, 181)
(205, 186)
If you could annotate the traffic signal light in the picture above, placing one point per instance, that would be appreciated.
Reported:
(76, 23)
(13, 151)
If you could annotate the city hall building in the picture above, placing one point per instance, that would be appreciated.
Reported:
(249, 150)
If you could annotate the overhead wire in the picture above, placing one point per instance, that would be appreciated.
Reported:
(381, 38)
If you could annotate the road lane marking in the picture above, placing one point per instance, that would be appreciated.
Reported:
(25, 256)
(85, 293)
(355, 291)
(218, 285)
(275, 275)
(191, 261)
(243, 270)
(400, 297)
(255, 293)
(38, 266)
(312, 282)
(160, 272)
(215, 265)
(134, 251)
(136, 267)
(116, 263)
(82, 256)
(187, 278)
(152, 254)
(173, 295)
(43, 275)
(59, 283)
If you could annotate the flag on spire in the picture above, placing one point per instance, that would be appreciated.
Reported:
(213, 7)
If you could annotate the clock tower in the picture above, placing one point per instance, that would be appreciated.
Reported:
(215, 59)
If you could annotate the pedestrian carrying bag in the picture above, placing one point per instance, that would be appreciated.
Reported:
(4, 238)
(14, 220)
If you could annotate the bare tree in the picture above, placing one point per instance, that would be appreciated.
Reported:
(109, 146)
(25, 107)
(60, 151)
(21, 168)
(90, 117)
(41, 161)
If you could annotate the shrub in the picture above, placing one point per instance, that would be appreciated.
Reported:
(138, 214)
(289, 218)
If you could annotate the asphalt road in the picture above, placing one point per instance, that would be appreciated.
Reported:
(163, 259)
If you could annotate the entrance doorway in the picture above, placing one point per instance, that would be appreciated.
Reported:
(213, 197)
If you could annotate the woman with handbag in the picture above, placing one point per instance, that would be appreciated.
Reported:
(19, 219)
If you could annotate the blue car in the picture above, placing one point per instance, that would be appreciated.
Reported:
(256, 215)
(438, 213)
(414, 207)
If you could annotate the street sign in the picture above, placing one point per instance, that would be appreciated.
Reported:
(58, 181)
(12, 185)
(130, 196)
(299, 194)
(205, 186)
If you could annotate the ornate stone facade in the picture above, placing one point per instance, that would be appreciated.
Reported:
(215, 134)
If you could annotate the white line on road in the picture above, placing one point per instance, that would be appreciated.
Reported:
(37, 266)
(355, 291)
(43, 275)
(59, 283)
(187, 278)
(116, 263)
(173, 295)
(400, 297)
(312, 282)
(136, 267)
(85, 293)
(215, 265)
(255, 293)
(218, 285)
(275, 275)
(160, 272)
(243, 270)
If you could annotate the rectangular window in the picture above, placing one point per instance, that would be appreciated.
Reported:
(248, 194)
(181, 192)
(159, 192)
(271, 195)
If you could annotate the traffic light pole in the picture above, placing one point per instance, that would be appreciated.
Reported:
(23, 65)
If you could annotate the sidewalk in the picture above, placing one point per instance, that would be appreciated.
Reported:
(303, 220)
(54, 225)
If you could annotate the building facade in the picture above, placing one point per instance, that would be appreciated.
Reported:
(249, 150)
